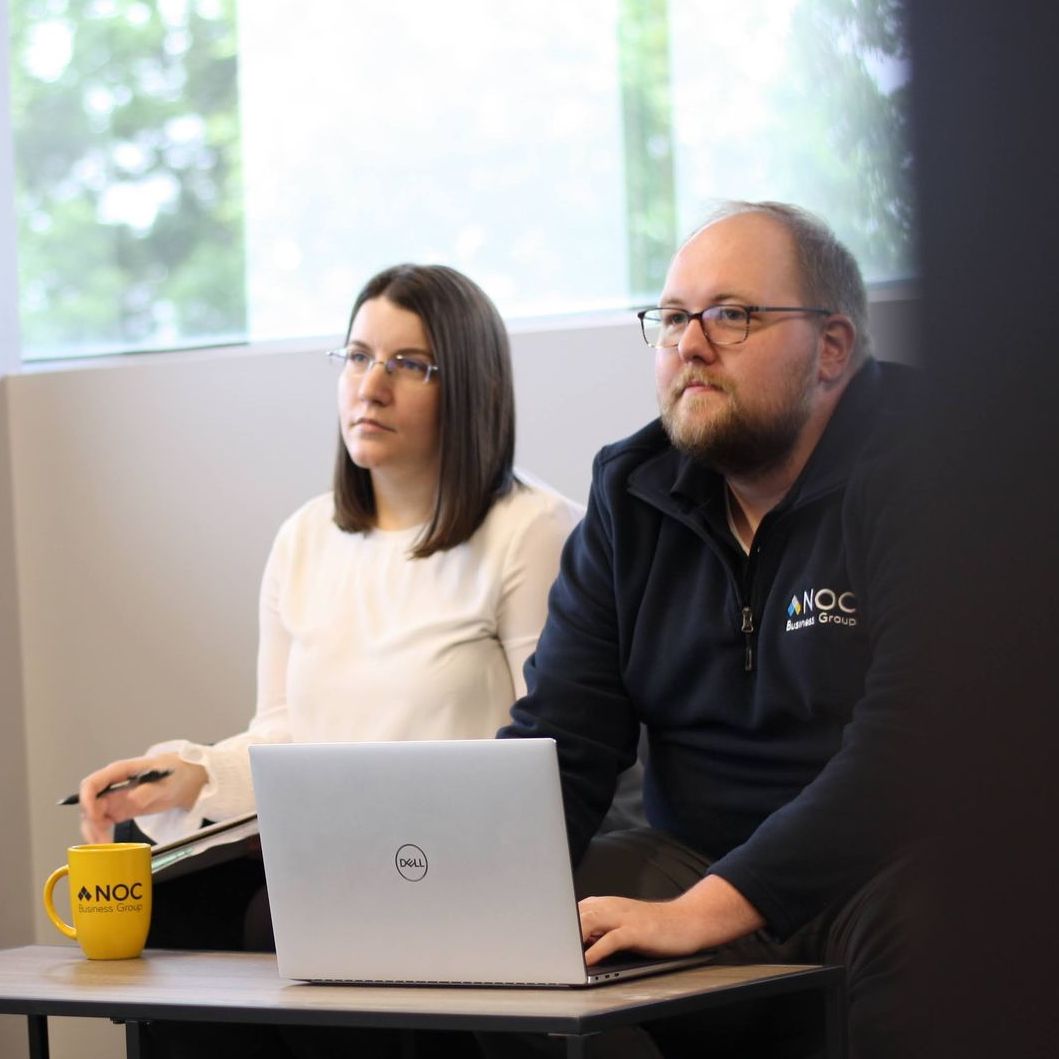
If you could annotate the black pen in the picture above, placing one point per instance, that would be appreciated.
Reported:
(151, 776)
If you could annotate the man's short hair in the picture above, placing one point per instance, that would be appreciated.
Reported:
(830, 275)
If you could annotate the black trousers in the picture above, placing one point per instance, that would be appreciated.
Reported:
(865, 934)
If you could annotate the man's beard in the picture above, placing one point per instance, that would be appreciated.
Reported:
(736, 441)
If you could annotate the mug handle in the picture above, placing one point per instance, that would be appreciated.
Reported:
(49, 907)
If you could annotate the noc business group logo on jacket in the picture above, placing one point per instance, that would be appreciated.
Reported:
(821, 606)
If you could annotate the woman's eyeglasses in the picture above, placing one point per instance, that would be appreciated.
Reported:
(406, 367)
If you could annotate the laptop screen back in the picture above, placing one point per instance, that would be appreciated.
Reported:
(418, 862)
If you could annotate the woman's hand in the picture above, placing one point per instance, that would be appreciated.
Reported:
(177, 791)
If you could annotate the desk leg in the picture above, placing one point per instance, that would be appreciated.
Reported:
(135, 1047)
(576, 1044)
(835, 1017)
(38, 1036)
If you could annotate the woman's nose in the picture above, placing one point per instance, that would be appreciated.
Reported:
(376, 384)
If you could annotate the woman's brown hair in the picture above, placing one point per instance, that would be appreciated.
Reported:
(476, 426)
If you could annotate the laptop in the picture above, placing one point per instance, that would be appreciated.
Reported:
(424, 863)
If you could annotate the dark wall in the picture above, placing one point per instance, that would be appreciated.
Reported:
(987, 555)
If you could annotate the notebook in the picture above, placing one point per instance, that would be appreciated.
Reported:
(423, 863)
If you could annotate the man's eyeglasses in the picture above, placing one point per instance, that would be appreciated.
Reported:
(404, 367)
(723, 325)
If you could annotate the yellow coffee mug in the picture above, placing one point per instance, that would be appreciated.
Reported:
(110, 898)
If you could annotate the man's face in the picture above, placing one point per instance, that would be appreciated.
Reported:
(739, 408)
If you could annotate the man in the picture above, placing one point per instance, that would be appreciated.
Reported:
(734, 589)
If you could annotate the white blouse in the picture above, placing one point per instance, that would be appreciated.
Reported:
(360, 642)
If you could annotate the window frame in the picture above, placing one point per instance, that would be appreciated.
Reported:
(10, 330)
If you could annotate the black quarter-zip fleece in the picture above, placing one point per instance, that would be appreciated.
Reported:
(770, 684)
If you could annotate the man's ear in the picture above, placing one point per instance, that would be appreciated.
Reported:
(837, 340)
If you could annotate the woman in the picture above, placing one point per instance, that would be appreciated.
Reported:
(403, 604)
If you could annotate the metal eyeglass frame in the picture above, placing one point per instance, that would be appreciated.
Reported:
(341, 357)
(710, 314)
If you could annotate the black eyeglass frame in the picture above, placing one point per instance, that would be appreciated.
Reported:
(746, 310)
(341, 357)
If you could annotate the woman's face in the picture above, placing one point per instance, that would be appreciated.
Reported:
(389, 422)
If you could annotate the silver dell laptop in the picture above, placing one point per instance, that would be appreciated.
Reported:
(423, 863)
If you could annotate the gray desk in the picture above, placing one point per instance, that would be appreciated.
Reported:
(42, 980)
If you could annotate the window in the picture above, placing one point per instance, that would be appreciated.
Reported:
(194, 172)
(128, 184)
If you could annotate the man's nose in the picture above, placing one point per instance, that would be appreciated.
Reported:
(694, 345)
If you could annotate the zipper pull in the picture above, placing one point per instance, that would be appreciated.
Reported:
(747, 630)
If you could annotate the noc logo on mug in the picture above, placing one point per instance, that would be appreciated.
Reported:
(411, 862)
(112, 892)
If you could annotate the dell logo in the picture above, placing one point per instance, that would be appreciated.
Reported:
(411, 862)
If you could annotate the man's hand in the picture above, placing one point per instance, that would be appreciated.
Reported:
(178, 791)
(711, 913)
